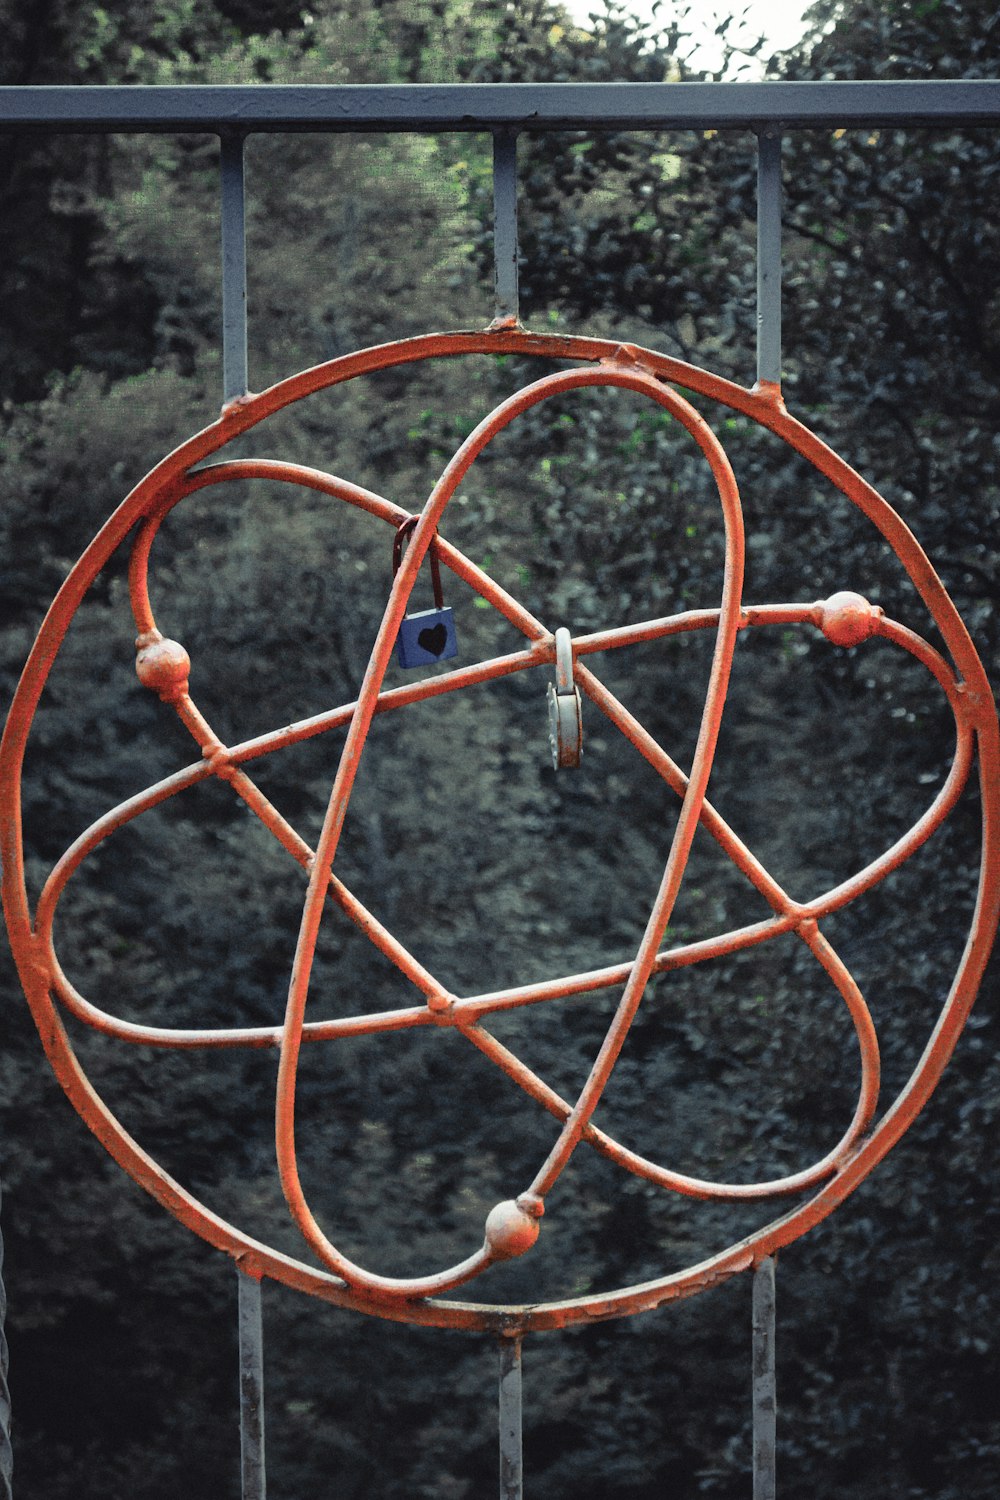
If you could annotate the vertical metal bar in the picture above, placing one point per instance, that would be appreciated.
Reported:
(511, 1481)
(251, 1389)
(764, 1403)
(505, 226)
(234, 268)
(769, 258)
(6, 1453)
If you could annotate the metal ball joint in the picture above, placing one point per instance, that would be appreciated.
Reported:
(847, 618)
(510, 1230)
(163, 666)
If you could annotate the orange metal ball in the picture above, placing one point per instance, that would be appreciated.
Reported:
(164, 667)
(847, 619)
(510, 1231)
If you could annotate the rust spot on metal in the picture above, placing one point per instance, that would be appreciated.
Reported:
(234, 406)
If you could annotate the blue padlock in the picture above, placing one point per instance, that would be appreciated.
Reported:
(426, 637)
(429, 635)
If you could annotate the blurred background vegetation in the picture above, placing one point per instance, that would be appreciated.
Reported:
(461, 838)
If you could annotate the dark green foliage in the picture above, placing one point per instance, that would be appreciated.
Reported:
(594, 510)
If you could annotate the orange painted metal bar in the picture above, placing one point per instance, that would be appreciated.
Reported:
(691, 806)
(328, 484)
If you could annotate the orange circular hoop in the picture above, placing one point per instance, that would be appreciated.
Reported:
(512, 1227)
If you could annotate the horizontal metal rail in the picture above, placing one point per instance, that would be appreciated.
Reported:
(943, 103)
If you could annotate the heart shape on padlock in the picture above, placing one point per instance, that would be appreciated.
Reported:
(433, 640)
(512, 1227)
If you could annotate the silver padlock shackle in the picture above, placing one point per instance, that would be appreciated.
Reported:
(565, 716)
(564, 661)
(402, 533)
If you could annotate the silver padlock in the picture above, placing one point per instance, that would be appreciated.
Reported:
(565, 711)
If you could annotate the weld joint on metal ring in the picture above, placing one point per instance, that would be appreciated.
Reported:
(219, 763)
(630, 356)
(248, 1263)
(235, 404)
(532, 1204)
(442, 1008)
(975, 709)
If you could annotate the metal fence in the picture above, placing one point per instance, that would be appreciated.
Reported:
(504, 111)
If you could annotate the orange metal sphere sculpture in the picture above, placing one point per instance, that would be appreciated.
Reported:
(512, 1227)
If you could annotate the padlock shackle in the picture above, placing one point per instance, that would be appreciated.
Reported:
(564, 662)
(402, 533)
